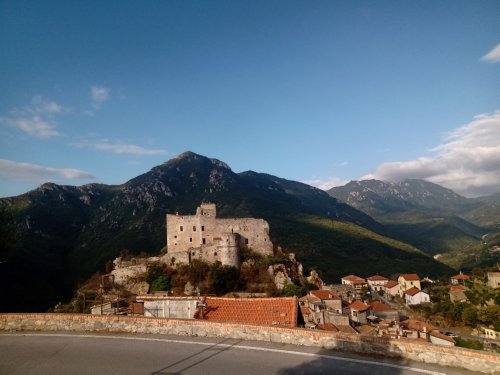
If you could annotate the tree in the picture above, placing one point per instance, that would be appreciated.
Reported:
(224, 279)
(488, 314)
(290, 290)
(469, 316)
(160, 283)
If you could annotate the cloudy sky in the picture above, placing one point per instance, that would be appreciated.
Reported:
(322, 92)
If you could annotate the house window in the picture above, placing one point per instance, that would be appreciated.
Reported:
(181, 228)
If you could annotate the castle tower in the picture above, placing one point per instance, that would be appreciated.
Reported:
(230, 250)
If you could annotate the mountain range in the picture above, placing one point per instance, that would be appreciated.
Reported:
(426, 215)
(54, 237)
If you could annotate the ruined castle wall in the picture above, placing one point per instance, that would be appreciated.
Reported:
(194, 233)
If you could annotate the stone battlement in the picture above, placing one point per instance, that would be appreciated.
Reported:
(205, 237)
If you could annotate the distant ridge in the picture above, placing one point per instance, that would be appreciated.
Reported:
(57, 236)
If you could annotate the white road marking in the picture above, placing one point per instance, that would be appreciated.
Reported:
(244, 347)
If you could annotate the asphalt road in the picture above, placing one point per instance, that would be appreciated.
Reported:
(65, 353)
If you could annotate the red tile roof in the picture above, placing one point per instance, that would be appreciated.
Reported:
(379, 306)
(353, 278)
(417, 325)
(391, 284)
(327, 327)
(359, 306)
(410, 276)
(461, 277)
(413, 291)
(324, 294)
(309, 299)
(377, 278)
(458, 288)
(269, 311)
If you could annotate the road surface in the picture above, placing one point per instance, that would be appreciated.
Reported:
(75, 353)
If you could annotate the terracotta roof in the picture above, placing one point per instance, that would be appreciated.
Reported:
(359, 306)
(346, 329)
(458, 288)
(353, 278)
(327, 327)
(391, 284)
(324, 294)
(379, 306)
(410, 276)
(417, 325)
(461, 277)
(309, 299)
(365, 329)
(269, 311)
(377, 278)
(413, 291)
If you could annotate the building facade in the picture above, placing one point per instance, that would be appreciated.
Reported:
(205, 237)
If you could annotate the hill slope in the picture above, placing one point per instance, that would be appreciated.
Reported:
(431, 217)
(59, 235)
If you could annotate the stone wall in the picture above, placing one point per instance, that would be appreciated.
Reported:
(445, 356)
(204, 236)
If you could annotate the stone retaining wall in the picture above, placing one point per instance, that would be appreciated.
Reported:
(484, 362)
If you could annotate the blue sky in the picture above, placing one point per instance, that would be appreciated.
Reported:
(316, 91)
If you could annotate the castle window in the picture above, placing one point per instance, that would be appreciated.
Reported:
(215, 254)
(203, 240)
(190, 239)
(202, 228)
(194, 228)
(246, 241)
(175, 236)
(181, 228)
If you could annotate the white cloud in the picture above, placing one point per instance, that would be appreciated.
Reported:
(25, 172)
(492, 56)
(36, 119)
(120, 148)
(99, 95)
(468, 161)
(326, 184)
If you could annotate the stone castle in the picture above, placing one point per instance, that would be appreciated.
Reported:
(205, 237)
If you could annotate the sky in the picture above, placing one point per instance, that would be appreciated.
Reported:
(322, 92)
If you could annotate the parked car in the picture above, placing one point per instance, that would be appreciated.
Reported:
(449, 334)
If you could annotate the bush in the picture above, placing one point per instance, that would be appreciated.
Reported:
(162, 282)
(469, 344)
(223, 279)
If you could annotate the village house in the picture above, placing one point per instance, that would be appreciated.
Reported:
(356, 282)
(377, 282)
(383, 311)
(322, 307)
(392, 288)
(457, 293)
(332, 301)
(416, 329)
(415, 296)
(461, 278)
(281, 311)
(359, 312)
(407, 281)
(494, 280)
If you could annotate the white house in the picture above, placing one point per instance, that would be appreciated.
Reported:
(415, 296)
(407, 281)
(392, 288)
(377, 282)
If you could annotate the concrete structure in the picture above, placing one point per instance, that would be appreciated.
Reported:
(377, 282)
(359, 312)
(168, 307)
(474, 360)
(392, 288)
(415, 296)
(205, 237)
(494, 280)
(407, 281)
(356, 282)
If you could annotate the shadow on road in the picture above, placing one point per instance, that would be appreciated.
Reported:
(193, 360)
